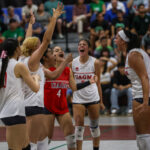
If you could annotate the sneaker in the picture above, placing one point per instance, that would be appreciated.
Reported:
(130, 111)
(60, 36)
(113, 111)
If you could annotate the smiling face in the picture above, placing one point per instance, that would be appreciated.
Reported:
(58, 52)
(83, 48)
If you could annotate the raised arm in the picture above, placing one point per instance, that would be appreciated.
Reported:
(55, 74)
(34, 60)
(22, 71)
(31, 22)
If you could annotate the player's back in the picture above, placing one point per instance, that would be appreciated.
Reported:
(12, 90)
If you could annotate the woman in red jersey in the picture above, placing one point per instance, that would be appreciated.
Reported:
(55, 97)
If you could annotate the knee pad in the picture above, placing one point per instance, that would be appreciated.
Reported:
(94, 128)
(71, 141)
(143, 141)
(33, 146)
(79, 131)
(42, 145)
(27, 148)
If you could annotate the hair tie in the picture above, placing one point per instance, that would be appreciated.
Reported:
(3, 54)
(123, 36)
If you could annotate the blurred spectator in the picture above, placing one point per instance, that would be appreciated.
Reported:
(121, 86)
(79, 16)
(49, 5)
(112, 13)
(14, 31)
(37, 29)
(146, 41)
(120, 20)
(41, 16)
(3, 28)
(96, 7)
(96, 26)
(105, 80)
(27, 9)
(118, 27)
(11, 15)
(102, 45)
(141, 21)
(119, 5)
(133, 6)
(2, 15)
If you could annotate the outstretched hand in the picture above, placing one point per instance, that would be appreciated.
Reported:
(58, 11)
(69, 58)
(32, 18)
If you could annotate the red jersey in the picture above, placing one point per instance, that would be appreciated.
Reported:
(55, 92)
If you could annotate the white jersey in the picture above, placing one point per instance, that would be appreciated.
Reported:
(32, 98)
(82, 73)
(137, 91)
(11, 96)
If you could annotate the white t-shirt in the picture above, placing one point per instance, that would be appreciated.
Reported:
(26, 10)
(120, 6)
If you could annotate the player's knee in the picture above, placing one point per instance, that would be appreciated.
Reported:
(71, 141)
(94, 128)
(79, 132)
(143, 141)
(79, 120)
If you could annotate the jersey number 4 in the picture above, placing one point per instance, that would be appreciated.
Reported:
(59, 93)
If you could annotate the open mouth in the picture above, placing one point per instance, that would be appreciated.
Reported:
(61, 55)
(82, 50)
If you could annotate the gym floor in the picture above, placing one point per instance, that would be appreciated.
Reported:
(117, 133)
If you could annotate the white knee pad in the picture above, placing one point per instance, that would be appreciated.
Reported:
(94, 128)
(42, 145)
(79, 131)
(33, 146)
(143, 141)
(71, 141)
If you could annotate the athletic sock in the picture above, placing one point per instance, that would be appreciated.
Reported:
(42, 145)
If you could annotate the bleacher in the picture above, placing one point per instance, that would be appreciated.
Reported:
(68, 9)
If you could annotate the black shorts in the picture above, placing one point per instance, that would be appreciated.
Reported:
(10, 121)
(140, 100)
(46, 111)
(88, 104)
(34, 110)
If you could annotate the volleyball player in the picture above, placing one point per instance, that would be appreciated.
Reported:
(12, 110)
(138, 70)
(55, 96)
(84, 67)
(32, 51)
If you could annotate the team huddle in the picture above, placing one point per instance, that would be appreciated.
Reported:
(34, 80)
